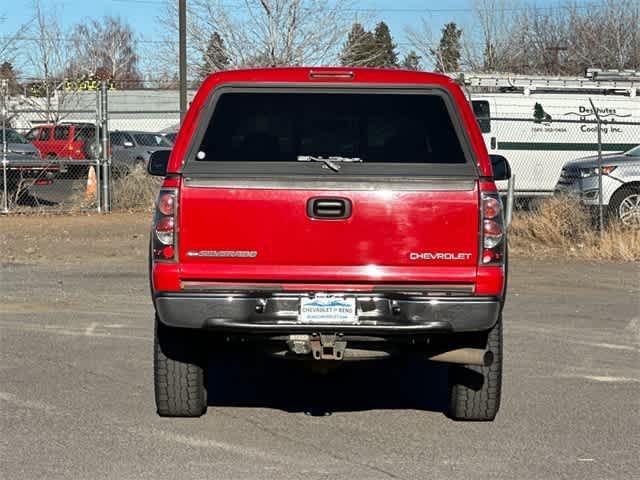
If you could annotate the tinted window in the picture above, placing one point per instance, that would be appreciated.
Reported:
(372, 127)
(116, 138)
(151, 140)
(85, 133)
(61, 133)
(482, 111)
(32, 134)
(45, 134)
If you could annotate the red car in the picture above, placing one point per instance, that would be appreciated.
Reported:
(324, 214)
(75, 141)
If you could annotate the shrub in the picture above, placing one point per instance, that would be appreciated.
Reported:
(135, 191)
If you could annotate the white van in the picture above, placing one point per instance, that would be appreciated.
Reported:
(524, 125)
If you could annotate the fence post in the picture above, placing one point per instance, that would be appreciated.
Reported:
(600, 200)
(106, 163)
(97, 149)
(5, 192)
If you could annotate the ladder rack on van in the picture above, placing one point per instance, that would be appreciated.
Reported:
(625, 82)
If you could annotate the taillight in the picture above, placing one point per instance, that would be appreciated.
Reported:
(164, 225)
(493, 230)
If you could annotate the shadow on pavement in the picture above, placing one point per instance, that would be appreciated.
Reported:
(404, 383)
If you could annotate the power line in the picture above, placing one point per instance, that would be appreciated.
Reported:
(23, 38)
(431, 11)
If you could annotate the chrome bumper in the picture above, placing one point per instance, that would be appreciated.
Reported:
(278, 313)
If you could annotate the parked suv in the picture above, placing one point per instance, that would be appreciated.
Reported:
(620, 184)
(76, 141)
(67, 141)
(130, 149)
(327, 214)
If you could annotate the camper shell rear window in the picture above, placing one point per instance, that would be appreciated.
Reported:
(393, 131)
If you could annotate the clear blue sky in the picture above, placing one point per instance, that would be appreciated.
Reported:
(142, 14)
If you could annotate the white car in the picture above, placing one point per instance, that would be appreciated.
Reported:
(620, 184)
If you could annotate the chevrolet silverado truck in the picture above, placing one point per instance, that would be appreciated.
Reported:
(325, 214)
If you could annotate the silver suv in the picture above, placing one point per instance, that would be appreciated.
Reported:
(620, 184)
(130, 149)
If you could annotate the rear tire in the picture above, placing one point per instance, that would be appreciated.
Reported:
(624, 206)
(178, 372)
(474, 391)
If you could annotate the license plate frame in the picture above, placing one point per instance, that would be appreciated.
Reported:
(327, 310)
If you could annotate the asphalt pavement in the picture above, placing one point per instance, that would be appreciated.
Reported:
(76, 391)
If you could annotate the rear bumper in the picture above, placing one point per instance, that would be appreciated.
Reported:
(279, 313)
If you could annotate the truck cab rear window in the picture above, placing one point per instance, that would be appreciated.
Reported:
(280, 127)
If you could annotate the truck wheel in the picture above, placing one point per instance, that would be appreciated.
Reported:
(474, 391)
(178, 372)
(624, 206)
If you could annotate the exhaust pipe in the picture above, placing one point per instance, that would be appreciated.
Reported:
(466, 356)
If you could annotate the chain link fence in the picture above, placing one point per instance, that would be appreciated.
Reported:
(94, 156)
(86, 158)
(594, 160)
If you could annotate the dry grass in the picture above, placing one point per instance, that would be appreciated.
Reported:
(136, 191)
(560, 226)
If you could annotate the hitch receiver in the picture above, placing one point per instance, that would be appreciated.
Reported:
(327, 347)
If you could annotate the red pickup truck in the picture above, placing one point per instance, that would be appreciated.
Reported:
(327, 214)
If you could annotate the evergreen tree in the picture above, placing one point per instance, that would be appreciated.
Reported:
(359, 50)
(215, 58)
(447, 55)
(411, 61)
(386, 55)
(7, 72)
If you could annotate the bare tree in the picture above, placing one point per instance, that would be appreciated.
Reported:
(494, 46)
(606, 35)
(46, 57)
(260, 32)
(542, 42)
(105, 49)
(422, 40)
(9, 41)
(562, 39)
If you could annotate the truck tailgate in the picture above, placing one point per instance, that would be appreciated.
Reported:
(269, 235)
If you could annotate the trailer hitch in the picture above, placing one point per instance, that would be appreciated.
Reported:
(327, 347)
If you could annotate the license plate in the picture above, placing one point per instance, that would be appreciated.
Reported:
(327, 309)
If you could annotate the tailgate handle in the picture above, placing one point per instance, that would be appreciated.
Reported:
(329, 208)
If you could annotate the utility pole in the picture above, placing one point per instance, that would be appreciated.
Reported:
(182, 29)
(4, 86)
